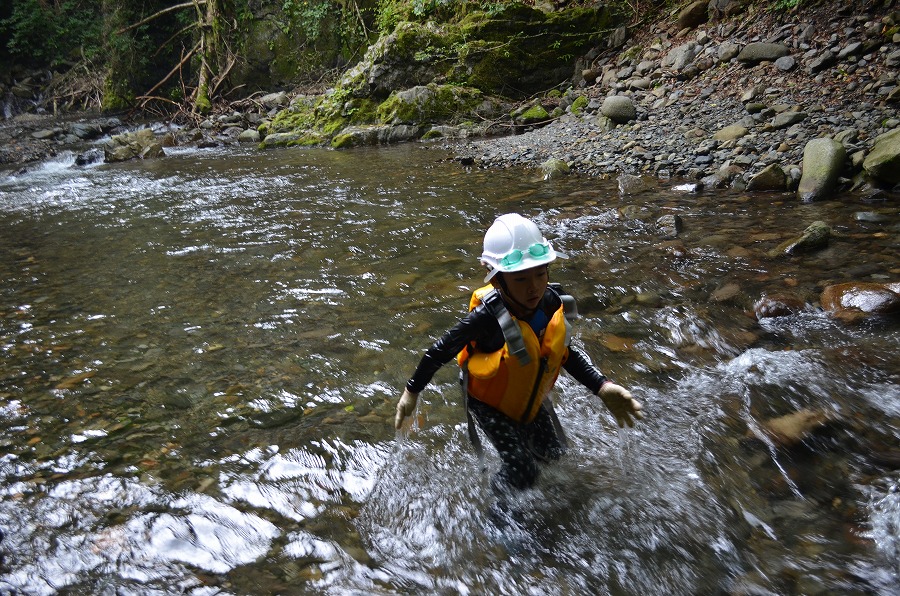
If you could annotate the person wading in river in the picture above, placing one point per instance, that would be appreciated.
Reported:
(510, 348)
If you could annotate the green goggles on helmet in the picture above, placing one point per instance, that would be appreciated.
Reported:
(536, 251)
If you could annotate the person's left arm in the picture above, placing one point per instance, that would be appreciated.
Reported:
(616, 398)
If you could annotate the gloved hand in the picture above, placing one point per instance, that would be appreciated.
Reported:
(405, 407)
(621, 404)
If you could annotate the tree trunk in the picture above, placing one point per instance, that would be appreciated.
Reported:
(210, 53)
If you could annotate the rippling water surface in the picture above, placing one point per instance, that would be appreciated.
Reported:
(202, 353)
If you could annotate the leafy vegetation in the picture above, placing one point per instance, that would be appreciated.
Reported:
(40, 33)
(166, 54)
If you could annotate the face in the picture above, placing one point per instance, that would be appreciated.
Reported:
(526, 288)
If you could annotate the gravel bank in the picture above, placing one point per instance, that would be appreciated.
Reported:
(838, 76)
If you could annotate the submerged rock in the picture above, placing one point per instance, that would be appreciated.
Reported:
(778, 305)
(814, 237)
(792, 429)
(554, 168)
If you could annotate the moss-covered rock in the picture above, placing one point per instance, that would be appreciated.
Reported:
(425, 74)
(536, 113)
(430, 103)
(414, 54)
(579, 104)
(520, 50)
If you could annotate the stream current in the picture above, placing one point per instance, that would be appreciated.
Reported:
(201, 356)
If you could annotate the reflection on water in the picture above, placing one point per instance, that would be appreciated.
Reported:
(201, 356)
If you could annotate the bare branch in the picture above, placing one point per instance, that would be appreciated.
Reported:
(174, 70)
(159, 14)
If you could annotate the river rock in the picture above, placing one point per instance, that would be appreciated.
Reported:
(883, 162)
(85, 130)
(681, 56)
(814, 237)
(619, 108)
(772, 178)
(754, 53)
(630, 184)
(821, 62)
(778, 305)
(731, 133)
(141, 144)
(727, 51)
(726, 8)
(251, 135)
(853, 301)
(785, 119)
(792, 429)
(785, 63)
(554, 168)
(693, 15)
(669, 226)
(823, 160)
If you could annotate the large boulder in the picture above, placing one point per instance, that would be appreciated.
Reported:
(823, 160)
(515, 51)
(883, 162)
(619, 108)
(435, 103)
(693, 15)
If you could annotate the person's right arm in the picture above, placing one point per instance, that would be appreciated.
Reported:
(479, 326)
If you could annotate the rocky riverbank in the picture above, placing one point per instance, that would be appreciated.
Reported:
(720, 102)
(721, 93)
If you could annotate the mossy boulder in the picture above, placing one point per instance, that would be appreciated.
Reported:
(519, 50)
(434, 103)
(413, 54)
(515, 51)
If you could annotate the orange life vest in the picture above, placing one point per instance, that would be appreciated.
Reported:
(516, 378)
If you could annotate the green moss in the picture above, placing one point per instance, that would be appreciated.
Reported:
(432, 134)
(579, 104)
(535, 113)
(309, 139)
(115, 97)
(431, 103)
(343, 141)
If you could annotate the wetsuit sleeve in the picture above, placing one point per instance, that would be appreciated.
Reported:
(582, 370)
(479, 326)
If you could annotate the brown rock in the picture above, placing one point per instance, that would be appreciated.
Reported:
(857, 300)
(777, 305)
(791, 429)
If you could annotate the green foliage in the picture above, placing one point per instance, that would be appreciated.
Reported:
(308, 15)
(41, 33)
(785, 4)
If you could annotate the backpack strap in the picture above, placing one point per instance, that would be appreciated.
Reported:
(511, 332)
(570, 307)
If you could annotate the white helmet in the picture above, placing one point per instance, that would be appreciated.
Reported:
(514, 243)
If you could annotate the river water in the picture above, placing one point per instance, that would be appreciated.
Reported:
(202, 354)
